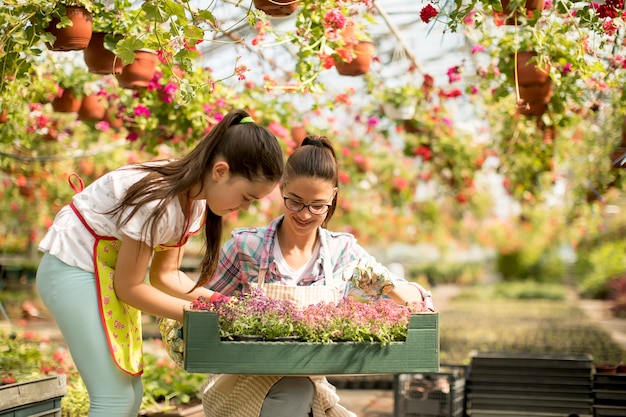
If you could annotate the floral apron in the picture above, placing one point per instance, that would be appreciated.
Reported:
(121, 322)
(243, 395)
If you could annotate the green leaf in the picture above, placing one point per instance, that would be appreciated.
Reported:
(126, 48)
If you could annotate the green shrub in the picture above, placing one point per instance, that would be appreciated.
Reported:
(529, 290)
(444, 272)
(596, 266)
(525, 264)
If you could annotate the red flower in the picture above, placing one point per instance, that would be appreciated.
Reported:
(428, 13)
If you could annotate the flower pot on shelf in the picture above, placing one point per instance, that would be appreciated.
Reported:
(529, 5)
(100, 60)
(40, 397)
(92, 108)
(139, 73)
(277, 8)
(75, 37)
(66, 102)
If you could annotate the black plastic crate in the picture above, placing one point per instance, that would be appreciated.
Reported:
(430, 394)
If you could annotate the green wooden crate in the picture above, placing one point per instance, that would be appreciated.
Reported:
(204, 352)
(38, 398)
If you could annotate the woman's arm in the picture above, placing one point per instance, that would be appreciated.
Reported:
(130, 286)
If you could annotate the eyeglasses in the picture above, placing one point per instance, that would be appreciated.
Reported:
(297, 206)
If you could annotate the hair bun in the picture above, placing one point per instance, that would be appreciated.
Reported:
(312, 141)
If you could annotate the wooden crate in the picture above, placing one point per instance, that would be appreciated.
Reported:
(40, 398)
(204, 352)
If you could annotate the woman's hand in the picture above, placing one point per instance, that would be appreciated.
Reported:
(369, 276)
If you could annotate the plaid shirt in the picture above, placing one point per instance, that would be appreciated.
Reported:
(251, 249)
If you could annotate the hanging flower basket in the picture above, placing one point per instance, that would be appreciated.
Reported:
(66, 102)
(139, 73)
(277, 8)
(100, 60)
(360, 64)
(530, 5)
(529, 73)
(534, 98)
(92, 108)
(75, 37)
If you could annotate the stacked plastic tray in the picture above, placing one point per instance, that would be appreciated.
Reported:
(524, 385)
(609, 392)
(430, 394)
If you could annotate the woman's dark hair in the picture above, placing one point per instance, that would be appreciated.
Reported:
(251, 151)
(315, 158)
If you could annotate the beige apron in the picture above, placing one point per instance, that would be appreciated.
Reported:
(121, 322)
(243, 395)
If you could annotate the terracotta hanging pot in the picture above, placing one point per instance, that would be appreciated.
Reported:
(361, 64)
(110, 116)
(363, 51)
(92, 108)
(277, 8)
(66, 102)
(4, 116)
(75, 37)
(139, 73)
(298, 133)
(514, 18)
(528, 72)
(100, 60)
(534, 99)
(412, 126)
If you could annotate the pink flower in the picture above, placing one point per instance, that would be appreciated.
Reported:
(278, 130)
(132, 136)
(454, 73)
(103, 126)
(477, 48)
(141, 111)
(567, 68)
(335, 19)
(240, 70)
(400, 183)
